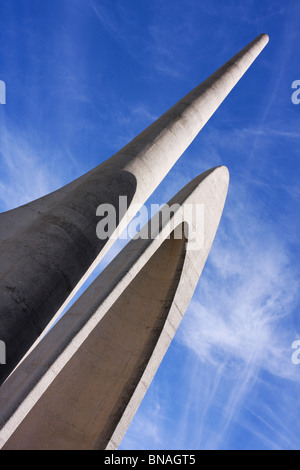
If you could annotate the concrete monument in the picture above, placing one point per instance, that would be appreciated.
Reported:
(49, 247)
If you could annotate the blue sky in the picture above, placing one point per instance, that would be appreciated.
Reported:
(83, 77)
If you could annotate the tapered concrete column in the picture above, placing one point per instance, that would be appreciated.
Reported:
(49, 247)
(82, 384)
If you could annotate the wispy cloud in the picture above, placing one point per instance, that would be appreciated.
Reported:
(249, 328)
(148, 425)
(25, 176)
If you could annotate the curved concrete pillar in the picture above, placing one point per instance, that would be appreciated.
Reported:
(49, 247)
(82, 384)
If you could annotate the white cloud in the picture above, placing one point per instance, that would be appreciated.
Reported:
(256, 287)
(26, 168)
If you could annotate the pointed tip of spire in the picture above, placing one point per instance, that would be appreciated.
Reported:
(223, 172)
(260, 41)
(265, 37)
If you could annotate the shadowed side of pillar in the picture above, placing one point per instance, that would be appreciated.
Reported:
(41, 265)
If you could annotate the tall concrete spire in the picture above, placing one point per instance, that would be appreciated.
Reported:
(49, 247)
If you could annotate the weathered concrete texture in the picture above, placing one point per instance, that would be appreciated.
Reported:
(49, 247)
(81, 385)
